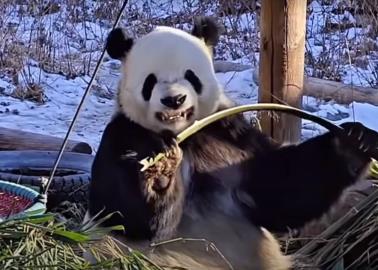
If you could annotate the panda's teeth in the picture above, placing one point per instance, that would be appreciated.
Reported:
(172, 117)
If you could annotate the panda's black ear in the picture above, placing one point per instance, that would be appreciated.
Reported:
(208, 29)
(117, 45)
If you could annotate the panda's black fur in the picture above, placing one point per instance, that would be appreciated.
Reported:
(228, 163)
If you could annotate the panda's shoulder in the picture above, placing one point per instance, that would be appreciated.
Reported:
(118, 125)
(121, 131)
(121, 124)
(240, 132)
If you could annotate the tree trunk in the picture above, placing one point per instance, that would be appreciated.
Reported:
(283, 32)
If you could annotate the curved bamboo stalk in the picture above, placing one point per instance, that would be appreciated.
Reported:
(200, 124)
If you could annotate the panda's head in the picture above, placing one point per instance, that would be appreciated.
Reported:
(168, 80)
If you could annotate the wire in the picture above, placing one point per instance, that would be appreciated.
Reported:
(86, 93)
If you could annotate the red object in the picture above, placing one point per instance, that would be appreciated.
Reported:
(11, 204)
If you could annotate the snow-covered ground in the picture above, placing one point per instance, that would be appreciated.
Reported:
(63, 95)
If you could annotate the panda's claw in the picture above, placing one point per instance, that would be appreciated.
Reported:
(360, 138)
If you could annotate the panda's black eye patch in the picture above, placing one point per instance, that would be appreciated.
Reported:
(148, 85)
(194, 80)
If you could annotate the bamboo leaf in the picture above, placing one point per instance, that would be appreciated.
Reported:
(73, 236)
(93, 223)
(40, 219)
(99, 233)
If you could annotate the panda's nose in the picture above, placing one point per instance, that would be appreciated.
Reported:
(173, 102)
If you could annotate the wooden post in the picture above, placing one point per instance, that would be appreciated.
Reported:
(283, 33)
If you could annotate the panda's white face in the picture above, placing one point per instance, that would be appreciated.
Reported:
(173, 105)
(168, 81)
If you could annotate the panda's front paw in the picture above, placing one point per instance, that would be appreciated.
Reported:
(360, 139)
(160, 176)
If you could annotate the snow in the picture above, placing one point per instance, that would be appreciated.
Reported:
(54, 117)
(63, 94)
(336, 113)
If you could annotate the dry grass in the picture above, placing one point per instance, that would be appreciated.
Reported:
(347, 41)
(344, 238)
(65, 37)
(349, 243)
(32, 92)
(61, 37)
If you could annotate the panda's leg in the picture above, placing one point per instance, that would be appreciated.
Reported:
(290, 186)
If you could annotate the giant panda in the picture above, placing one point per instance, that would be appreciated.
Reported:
(229, 184)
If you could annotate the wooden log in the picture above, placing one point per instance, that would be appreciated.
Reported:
(226, 66)
(340, 92)
(283, 32)
(11, 139)
(319, 88)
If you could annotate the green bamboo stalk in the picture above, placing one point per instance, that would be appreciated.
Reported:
(198, 125)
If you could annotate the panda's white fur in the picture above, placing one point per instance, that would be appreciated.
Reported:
(217, 242)
(177, 51)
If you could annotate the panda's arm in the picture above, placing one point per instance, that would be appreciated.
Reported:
(292, 185)
(144, 199)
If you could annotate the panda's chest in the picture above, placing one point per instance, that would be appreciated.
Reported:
(213, 160)
(227, 175)
(230, 175)
(210, 191)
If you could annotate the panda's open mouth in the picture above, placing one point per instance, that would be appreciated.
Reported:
(174, 116)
